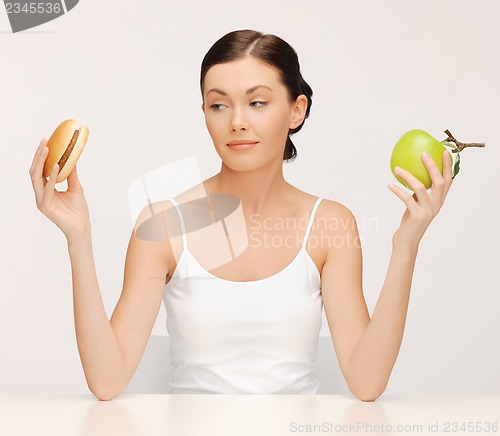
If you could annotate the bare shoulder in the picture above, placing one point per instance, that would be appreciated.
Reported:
(334, 208)
(329, 227)
(335, 219)
(334, 216)
(331, 216)
(337, 229)
(327, 208)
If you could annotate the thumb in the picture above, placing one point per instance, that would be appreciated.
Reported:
(73, 182)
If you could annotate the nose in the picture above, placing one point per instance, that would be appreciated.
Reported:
(238, 121)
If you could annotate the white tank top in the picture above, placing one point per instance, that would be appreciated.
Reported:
(253, 337)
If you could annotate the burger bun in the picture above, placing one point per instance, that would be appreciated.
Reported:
(59, 145)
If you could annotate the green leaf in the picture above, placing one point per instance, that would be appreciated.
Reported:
(449, 144)
(456, 168)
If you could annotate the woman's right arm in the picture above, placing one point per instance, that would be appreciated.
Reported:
(110, 351)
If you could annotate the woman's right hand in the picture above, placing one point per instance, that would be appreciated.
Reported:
(67, 210)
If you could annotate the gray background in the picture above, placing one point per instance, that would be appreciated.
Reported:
(130, 71)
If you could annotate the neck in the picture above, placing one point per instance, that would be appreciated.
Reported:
(257, 189)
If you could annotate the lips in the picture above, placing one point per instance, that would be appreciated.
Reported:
(242, 142)
(242, 145)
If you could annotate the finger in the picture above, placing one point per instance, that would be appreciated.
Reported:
(40, 165)
(447, 171)
(416, 185)
(37, 179)
(408, 199)
(37, 154)
(447, 165)
(49, 186)
(73, 182)
(436, 176)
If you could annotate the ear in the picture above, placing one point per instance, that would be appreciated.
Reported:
(203, 106)
(298, 113)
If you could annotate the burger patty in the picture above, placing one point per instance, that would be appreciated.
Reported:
(69, 149)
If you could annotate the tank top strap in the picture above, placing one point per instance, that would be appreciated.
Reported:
(310, 223)
(181, 220)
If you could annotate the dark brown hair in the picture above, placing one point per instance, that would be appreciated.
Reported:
(273, 51)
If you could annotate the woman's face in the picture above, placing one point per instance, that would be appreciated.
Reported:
(245, 100)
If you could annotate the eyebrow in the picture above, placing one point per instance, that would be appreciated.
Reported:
(248, 91)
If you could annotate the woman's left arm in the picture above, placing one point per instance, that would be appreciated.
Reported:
(376, 353)
(368, 348)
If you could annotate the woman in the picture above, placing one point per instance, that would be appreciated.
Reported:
(254, 327)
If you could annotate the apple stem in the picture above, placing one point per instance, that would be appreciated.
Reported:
(462, 145)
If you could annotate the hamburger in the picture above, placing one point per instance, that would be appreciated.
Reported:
(65, 147)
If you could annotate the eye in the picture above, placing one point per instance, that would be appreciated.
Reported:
(215, 107)
(263, 103)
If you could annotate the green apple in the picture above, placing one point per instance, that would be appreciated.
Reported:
(407, 155)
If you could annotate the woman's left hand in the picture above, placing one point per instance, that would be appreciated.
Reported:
(422, 206)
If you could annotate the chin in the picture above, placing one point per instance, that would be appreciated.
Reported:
(241, 165)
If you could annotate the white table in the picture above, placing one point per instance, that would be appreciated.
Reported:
(256, 415)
